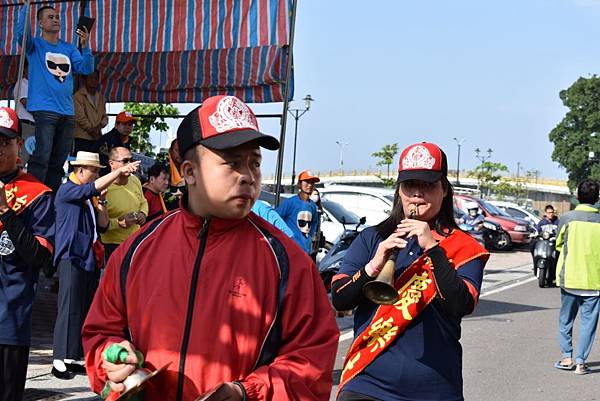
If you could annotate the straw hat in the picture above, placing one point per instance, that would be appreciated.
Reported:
(87, 159)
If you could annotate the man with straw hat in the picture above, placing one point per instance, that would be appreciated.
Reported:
(26, 236)
(81, 214)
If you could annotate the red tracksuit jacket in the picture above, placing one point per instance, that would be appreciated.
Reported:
(203, 295)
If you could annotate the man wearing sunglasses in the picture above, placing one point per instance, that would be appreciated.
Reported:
(118, 137)
(126, 204)
(52, 63)
(300, 213)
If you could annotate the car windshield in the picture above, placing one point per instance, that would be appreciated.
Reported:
(493, 210)
(389, 197)
(339, 212)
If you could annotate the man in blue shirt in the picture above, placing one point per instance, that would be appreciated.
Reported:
(81, 214)
(300, 213)
(266, 211)
(26, 237)
(52, 63)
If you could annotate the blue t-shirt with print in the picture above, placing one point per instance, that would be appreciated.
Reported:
(302, 218)
(51, 68)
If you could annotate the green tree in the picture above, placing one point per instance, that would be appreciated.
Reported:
(488, 175)
(150, 117)
(572, 137)
(386, 156)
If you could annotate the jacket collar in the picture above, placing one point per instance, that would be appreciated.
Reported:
(216, 225)
(584, 207)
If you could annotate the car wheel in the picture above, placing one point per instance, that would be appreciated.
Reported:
(503, 242)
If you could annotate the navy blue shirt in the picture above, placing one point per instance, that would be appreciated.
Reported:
(425, 361)
(18, 281)
(75, 226)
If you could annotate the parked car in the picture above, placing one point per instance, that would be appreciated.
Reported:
(520, 231)
(515, 210)
(373, 203)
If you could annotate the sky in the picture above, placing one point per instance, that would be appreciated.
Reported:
(382, 72)
(488, 72)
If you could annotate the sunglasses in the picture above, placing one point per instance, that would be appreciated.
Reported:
(125, 161)
(64, 67)
(302, 223)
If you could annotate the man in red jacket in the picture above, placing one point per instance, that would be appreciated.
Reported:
(230, 302)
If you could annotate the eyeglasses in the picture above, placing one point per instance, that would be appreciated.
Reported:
(302, 223)
(131, 123)
(125, 160)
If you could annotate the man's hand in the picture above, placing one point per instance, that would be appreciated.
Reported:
(225, 392)
(141, 218)
(83, 36)
(118, 372)
(127, 220)
(129, 168)
(3, 203)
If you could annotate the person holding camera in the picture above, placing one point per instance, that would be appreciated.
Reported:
(127, 206)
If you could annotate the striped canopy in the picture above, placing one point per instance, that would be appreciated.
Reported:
(174, 51)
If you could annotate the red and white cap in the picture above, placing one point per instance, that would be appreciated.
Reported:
(9, 123)
(422, 161)
(221, 122)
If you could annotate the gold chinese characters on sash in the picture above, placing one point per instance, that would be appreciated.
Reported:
(416, 288)
(21, 191)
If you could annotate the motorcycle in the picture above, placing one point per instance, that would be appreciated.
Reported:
(332, 261)
(492, 235)
(545, 256)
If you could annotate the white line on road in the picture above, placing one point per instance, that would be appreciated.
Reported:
(349, 334)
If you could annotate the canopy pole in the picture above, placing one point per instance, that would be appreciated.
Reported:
(22, 58)
(286, 91)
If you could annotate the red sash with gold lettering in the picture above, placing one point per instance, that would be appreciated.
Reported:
(23, 190)
(417, 288)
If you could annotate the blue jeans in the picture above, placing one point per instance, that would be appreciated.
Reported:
(569, 305)
(53, 142)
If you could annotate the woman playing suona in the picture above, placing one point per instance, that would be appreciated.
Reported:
(410, 350)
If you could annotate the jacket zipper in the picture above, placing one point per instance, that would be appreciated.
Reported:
(190, 310)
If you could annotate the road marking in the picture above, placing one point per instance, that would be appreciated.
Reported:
(349, 334)
(508, 287)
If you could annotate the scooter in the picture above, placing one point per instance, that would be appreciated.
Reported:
(492, 235)
(332, 261)
(545, 257)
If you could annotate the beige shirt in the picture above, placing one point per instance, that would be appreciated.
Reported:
(90, 114)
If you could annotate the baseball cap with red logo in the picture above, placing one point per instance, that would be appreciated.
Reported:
(221, 122)
(9, 123)
(422, 161)
(125, 117)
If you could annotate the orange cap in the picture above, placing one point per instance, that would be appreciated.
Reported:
(125, 117)
(307, 175)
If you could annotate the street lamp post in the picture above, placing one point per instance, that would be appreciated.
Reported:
(483, 158)
(297, 113)
(342, 146)
(459, 143)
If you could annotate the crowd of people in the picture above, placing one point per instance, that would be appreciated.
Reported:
(221, 290)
